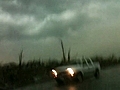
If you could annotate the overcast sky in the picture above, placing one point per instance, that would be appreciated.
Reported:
(88, 27)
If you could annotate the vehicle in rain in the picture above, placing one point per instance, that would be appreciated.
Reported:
(76, 71)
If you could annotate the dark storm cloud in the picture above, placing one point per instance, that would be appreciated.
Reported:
(13, 34)
(52, 18)
(54, 28)
(86, 24)
(33, 7)
(49, 5)
(12, 31)
(41, 10)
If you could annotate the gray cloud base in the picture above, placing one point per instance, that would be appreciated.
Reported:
(89, 27)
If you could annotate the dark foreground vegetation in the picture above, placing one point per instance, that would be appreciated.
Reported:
(18, 75)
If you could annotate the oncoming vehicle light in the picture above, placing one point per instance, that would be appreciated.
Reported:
(54, 72)
(70, 71)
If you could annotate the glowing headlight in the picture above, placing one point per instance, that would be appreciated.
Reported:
(54, 72)
(70, 71)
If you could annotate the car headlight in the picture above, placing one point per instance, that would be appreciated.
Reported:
(54, 72)
(70, 71)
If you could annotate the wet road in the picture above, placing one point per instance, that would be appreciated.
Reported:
(109, 80)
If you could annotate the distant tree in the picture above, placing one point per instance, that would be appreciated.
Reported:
(20, 59)
(112, 57)
(69, 55)
(64, 58)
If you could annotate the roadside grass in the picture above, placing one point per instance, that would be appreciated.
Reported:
(37, 71)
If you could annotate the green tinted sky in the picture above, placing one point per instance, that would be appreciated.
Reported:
(89, 27)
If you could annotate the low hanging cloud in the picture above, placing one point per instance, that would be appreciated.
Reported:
(89, 27)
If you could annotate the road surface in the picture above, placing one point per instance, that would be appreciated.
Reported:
(109, 80)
